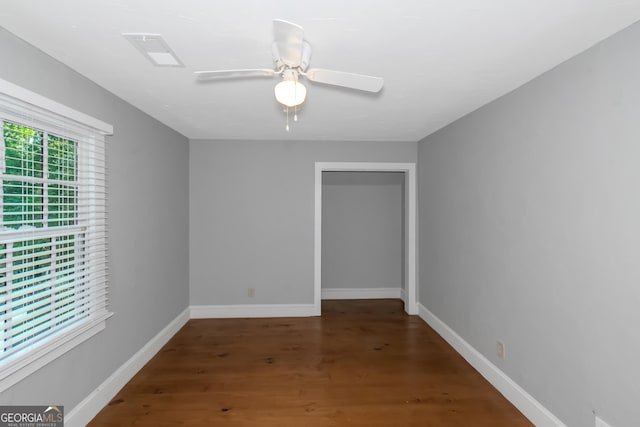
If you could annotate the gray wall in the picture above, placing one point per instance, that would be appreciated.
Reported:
(148, 228)
(252, 215)
(362, 229)
(530, 232)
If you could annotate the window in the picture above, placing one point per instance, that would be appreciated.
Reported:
(53, 279)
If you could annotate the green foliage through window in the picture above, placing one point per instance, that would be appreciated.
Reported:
(39, 194)
(39, 184)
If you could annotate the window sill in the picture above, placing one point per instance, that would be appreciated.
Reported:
(16, 370)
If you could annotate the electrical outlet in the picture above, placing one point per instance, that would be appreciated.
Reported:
(600, 423)
(500, 350)
(251, 292)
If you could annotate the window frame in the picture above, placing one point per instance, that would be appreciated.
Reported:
(19, 105)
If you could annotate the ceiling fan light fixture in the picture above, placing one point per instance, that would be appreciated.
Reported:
(290, 93)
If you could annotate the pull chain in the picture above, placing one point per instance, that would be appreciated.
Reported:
(287, 127)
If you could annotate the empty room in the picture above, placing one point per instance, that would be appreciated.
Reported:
(279, 213)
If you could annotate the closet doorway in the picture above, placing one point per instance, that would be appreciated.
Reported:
(397, 258)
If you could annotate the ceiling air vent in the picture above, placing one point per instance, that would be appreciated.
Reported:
(155, 49)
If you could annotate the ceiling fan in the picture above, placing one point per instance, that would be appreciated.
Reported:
(291, 55)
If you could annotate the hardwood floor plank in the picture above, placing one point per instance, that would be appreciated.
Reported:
(363, 363)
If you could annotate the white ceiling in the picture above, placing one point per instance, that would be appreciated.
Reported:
(440, 59)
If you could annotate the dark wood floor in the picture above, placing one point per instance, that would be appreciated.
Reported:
(363, 363)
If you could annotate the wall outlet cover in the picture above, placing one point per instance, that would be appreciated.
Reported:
(500, 350)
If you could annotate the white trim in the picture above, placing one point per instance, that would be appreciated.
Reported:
(84, 412)
(252, 310)
(362, 293)
(317, 241)
(40, 102)
(530, 407)
(409, 170)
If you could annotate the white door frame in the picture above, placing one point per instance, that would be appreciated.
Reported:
(409, 169)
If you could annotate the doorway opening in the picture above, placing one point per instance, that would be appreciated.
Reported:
(408, 290)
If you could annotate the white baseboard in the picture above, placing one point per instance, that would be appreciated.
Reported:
(362, 293)
(84, 412)
(530, 407)
(252, 310)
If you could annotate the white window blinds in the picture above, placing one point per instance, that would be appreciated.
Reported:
(53, 270)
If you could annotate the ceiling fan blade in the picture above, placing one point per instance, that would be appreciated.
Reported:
(350, 80)
(288, 41)
(233, 74)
